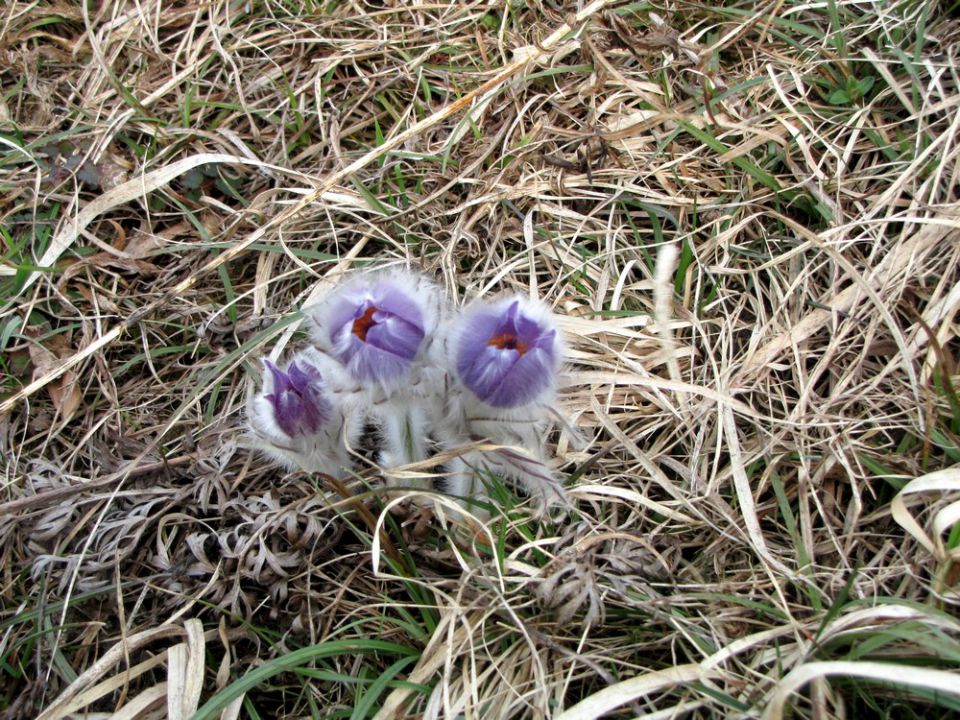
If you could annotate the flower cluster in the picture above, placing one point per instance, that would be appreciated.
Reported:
(387, 350)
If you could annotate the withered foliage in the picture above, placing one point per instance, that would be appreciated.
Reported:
(737, 417)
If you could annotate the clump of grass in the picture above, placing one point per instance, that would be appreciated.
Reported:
(759, 428)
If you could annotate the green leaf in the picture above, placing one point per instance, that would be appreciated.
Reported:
(7, 332)
(292, 661)
(839, 97)
(362, 709)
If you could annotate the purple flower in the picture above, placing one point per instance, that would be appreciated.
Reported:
(297, 398)
(506, 357)
(376, 329)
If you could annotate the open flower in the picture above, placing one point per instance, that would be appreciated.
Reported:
(294, 400)
(376, 325)
(507, 353)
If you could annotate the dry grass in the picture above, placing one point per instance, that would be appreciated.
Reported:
(760, 428)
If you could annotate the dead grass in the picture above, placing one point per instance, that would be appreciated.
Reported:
(760, 428)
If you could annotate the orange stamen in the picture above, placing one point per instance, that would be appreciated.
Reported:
(363, 323)
(508, 342)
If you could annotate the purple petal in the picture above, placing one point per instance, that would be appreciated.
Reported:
(478, 327)
(488, 371)
(376, 331)
(530, 375)
(505, 357)
(300, 379)
(299, 403)
(508, 322)
(548, 343)
(391, 299)
(342, 314)
(281, 381)
(395, 335)
(531, 334)
(367, 362)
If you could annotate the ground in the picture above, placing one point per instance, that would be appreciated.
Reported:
(745, 219)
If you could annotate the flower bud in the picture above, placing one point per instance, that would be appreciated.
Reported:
(295, 399)
(299, 417)
(507, 353)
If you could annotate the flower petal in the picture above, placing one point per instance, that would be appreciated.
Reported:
(478, 326)
(367, 362)
(488, 372)
(505, 355)
(524, 381)
(297, 397)
(388, 297)
(395, 335)
(376, 327)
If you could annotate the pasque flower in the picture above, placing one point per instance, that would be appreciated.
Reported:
(387, 350)
(298, 418)
(294, 399)
(297, 398)
(375, 325)
(380, 328)
(507, 352)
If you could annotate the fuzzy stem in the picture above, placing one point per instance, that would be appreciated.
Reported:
(404, 431)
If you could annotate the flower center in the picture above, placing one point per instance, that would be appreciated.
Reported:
(508, 342)
(363, 323)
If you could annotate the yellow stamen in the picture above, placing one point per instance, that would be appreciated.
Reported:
(508, 342)
(363, 323)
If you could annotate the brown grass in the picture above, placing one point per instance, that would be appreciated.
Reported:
(757, 276)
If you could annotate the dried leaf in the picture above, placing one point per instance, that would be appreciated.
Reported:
(142, 244)
(124, 265)
(65, 390)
